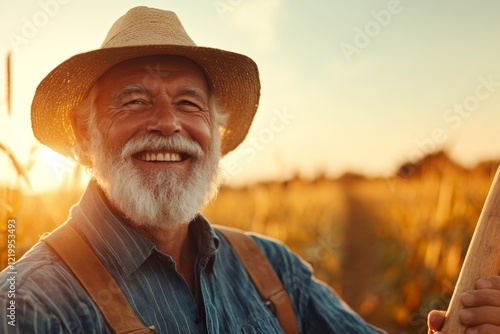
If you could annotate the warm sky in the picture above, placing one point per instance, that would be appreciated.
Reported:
(359, 85)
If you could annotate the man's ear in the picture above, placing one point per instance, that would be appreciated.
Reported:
(82, 137)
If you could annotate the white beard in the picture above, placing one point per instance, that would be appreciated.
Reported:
(166, 199)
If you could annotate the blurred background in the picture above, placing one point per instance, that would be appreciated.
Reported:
(371, 154)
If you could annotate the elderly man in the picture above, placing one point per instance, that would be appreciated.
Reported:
(150, 114)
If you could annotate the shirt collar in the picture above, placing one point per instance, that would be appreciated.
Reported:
(206, 240)
(120, 247)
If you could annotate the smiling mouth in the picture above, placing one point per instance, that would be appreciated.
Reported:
(161, 156)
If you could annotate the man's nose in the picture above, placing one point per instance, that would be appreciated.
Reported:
(164, 120)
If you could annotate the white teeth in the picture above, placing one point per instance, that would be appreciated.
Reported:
(173, 157)
(165, 157)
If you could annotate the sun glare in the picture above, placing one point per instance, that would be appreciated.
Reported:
(50, 170)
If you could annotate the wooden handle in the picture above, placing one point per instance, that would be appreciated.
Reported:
(482, 259)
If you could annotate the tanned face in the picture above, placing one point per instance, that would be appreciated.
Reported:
(154, 147)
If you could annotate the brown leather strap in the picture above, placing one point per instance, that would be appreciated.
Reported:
(115, 307)
(263, 277)
(95, 278)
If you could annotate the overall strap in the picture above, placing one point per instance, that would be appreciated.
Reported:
(74, 251)
(263, 277)
(117, 311)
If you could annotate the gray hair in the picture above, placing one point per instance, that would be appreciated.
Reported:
(85, 113)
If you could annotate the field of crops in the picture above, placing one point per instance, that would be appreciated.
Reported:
(391, 247)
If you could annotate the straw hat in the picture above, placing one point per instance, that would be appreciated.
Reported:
(144, 31)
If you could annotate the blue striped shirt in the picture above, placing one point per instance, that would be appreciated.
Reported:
(48, 299)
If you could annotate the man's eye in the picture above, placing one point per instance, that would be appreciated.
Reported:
(187, 105)
(137, 105)
(136, 101)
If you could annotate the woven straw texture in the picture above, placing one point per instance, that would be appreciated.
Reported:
(144, 31)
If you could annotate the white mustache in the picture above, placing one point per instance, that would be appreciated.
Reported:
(151, 142)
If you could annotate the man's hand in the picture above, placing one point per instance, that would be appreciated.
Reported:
(481, 313)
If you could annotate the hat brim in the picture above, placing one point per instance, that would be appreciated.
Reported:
(233, 78)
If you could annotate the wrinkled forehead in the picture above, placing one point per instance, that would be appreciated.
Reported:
(151, 68)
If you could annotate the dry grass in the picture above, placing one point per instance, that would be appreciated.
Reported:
(391, 248)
